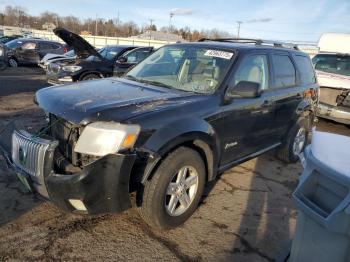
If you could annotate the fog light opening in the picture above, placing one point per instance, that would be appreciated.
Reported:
(77, 204)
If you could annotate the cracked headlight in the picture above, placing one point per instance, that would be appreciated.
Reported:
(102, 138)
(71, 69)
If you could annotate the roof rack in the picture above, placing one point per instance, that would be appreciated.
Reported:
(253, 41)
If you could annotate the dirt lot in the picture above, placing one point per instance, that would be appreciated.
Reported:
(247, 214)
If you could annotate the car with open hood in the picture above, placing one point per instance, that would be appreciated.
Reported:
(88, 64)
(183, 115)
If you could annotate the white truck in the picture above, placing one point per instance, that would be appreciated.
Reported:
(332, 65)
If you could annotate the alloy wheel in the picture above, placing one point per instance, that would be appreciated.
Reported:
(13, 62)
(299, 141)
(181, 191)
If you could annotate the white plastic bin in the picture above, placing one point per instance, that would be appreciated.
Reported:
(323, 201)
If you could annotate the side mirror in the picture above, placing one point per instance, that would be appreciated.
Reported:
(244, 89)
(122, 59)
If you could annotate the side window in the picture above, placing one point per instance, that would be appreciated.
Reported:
(284, 71)
(29, 46)
(137, 55)
(307, 74)
(253, 68)
(54, 46)
(45, 46)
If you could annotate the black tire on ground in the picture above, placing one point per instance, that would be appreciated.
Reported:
(89, 77)
(153, 209)
(285, 152)
(12, 62)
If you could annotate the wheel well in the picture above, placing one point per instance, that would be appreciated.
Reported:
(197, 145)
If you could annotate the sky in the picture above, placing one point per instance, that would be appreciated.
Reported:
(267, 19)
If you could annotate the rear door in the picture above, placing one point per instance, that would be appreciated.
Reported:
(286, 93)
(28, 53)
(244, 124)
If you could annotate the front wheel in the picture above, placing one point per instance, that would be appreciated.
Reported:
(12, 62)
(173, 193)
(89, 77)
(295, 142)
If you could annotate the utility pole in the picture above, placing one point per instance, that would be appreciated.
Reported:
(151, 22)
(238, 27)
(96, 25)
(171, 16)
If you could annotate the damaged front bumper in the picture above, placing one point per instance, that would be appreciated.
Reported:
(336, 113)
(100, 187)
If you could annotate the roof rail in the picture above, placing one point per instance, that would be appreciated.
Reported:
(253, 41)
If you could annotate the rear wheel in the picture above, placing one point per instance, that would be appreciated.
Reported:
(12, 62)
(295, 142)
(173, 193)
(89, 77)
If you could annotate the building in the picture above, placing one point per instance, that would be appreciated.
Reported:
(49, 26)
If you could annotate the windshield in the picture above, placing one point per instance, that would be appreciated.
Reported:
(110, 52)
(14, 44)
(335, 64)
(188, 68)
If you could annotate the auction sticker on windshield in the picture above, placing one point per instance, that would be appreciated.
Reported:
(218, 53)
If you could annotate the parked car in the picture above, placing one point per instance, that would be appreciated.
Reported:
(30, 51)
(89, 63)
(332, 66)
(185, 114)
(130, 59)
(5, 39)
(49, 58)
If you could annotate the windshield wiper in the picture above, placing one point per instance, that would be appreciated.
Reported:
(150, 82)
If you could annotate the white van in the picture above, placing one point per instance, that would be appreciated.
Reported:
(332, 65)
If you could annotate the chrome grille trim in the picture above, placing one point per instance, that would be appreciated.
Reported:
(29, 153)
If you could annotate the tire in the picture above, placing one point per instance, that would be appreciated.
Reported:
(155, 207)
(89, 77)
(286, 152)
(12, 62)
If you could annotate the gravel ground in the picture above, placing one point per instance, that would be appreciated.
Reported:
(246, 215)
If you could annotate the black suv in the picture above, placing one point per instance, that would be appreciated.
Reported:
(88, 63)
(23, 51)
(182, 116)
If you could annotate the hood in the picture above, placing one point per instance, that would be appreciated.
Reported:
(81, 47)
(109, 99)
(332, 80)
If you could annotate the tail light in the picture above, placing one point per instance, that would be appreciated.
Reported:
(310, 93)
(65, 50)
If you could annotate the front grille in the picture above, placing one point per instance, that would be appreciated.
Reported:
(30, 153)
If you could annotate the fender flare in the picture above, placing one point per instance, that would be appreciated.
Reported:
(199, 133)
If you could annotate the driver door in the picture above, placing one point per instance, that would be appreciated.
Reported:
(244, 125)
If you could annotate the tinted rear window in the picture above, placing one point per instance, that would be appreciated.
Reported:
(284, 71)
(307, 74)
